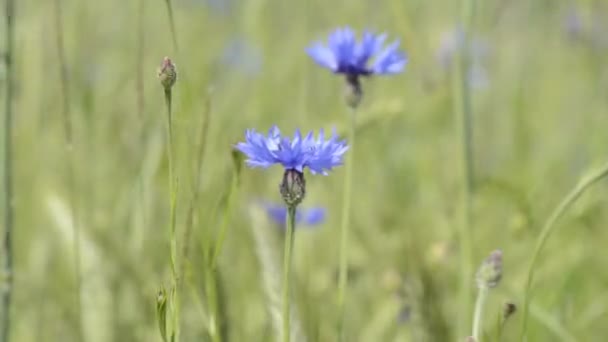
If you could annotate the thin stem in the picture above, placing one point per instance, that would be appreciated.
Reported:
(172, 230)
(214, 315)
(584, 184)
(345, 226)
(140, 90)
(287, 260)
(201, 148)
(140, 59)
(212, 299)
(7, 277)
(172, 23)
(69, 146)
(225, 220)
(464, 113)
(478, 315)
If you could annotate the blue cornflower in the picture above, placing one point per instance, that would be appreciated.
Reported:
(309, 217)
(318, 155)
(344, 55)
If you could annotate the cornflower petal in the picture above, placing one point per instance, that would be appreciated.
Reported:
(344, 55)
(298, 153)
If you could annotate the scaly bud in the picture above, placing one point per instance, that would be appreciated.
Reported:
(167, 73)
(293, 187)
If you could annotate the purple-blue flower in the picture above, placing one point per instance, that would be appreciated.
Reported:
(319, 155)
(309, 217)
(344, 55)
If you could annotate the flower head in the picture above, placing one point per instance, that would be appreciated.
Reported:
(344, 55)
(319, 155)
(309, 216)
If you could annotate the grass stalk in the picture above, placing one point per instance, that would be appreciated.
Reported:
(464, 118)
(201, 149)
(227, 214)
(345, 226)
(580, 188)
(7, 266)
(211, 272)
(172, 223)
(287, 261)
(172, 24)
(69, 147)
(212, 301)
(140, 103)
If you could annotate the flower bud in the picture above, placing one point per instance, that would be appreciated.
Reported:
(508, 310)
(490, 271)
(293, 187)
(167, 73)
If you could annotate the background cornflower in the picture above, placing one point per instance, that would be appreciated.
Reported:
(452, 43)
(343, 54)
(306, 216)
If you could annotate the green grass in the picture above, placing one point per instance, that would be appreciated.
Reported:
(538, 128)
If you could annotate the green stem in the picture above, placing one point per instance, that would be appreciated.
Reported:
(172, 224)
(287, 260)
(212, 299)
(464, 113)
(345, 226)
(584, 184)
(212, 284)
(7, 279)
(172, 23)
(69, 147)
(225, 220)
(478, 315)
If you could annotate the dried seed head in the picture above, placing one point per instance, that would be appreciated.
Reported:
(167, 73)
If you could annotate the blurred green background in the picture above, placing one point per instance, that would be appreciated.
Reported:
(540, 99)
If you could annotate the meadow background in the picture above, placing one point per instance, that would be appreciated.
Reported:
(539, 97)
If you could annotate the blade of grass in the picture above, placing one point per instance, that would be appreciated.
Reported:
(7, 277)
(464, 115)
(582, 186)
(71, 164)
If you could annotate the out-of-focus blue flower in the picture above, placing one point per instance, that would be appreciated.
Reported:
(587, 28)
(319, 155)
(344, 55)
(573, 24)
(239, 54)
(451, 43)
(309, 217)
